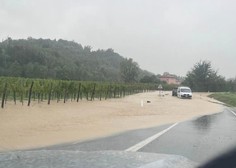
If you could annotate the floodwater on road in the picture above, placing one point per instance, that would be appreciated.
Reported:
(199, 140)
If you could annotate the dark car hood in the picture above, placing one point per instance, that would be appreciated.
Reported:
(96, 159)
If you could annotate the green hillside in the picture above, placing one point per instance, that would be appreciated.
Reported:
(59, 59)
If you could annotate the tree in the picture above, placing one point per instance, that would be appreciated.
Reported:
(129, 70)
(150, 79)
(15, 69)
(203, 78)
(52, 59)
(231, 85)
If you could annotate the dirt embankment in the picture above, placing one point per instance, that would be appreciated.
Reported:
(42, 124)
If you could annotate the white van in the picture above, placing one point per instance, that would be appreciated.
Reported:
(184, 92)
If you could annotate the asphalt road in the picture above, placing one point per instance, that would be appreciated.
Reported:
(198, 140)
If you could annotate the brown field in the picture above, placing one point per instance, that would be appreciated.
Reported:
(41, 124)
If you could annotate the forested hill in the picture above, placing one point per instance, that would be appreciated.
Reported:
(58, 59)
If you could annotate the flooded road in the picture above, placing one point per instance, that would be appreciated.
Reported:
(198, 140)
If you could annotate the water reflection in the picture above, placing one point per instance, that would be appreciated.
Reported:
(204, 123)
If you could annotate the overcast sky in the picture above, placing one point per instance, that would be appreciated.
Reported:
(161, 35)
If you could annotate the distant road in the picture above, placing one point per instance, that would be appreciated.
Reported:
(199, 139)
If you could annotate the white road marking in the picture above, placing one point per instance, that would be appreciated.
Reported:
(232, 112)
(141, 144)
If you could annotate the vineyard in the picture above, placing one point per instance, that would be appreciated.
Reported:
(25, 90)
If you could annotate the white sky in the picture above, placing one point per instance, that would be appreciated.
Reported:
(161, 35)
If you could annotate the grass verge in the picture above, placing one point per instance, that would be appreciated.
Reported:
(227, 98)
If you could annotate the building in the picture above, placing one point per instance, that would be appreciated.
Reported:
(170, 78)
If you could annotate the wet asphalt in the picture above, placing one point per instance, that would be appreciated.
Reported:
(119, 142)
(199, 139)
